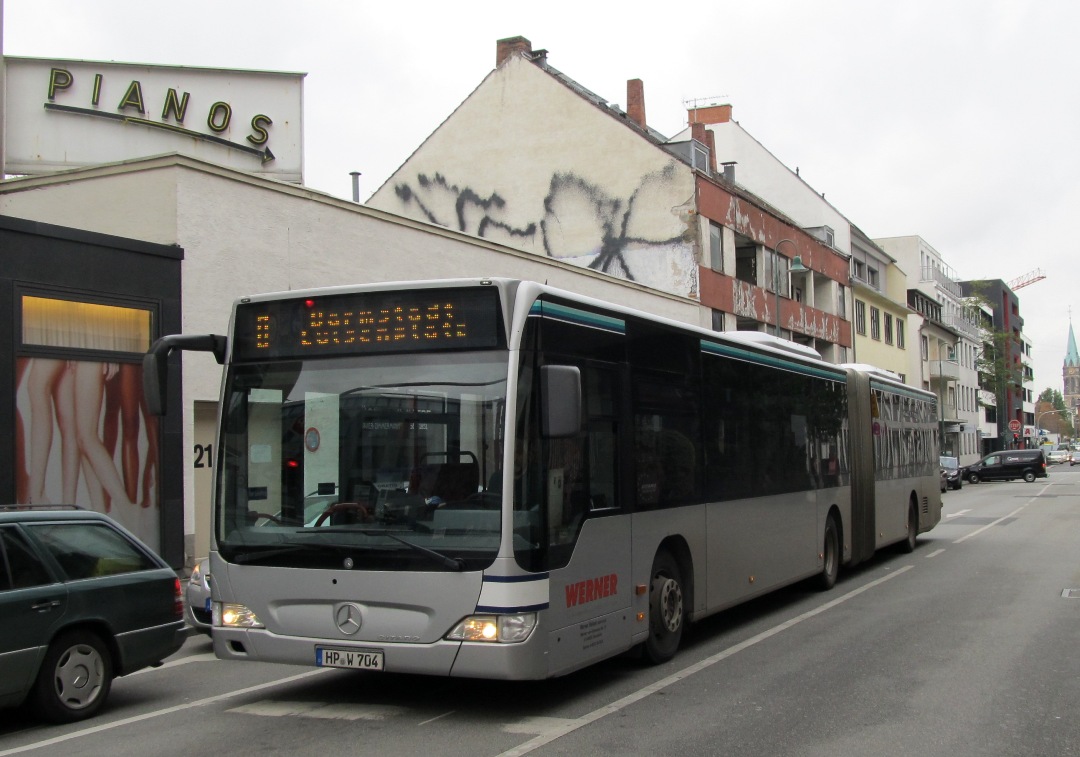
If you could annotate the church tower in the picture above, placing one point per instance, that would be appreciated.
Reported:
(1071, 375)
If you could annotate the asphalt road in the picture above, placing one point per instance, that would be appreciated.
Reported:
(968, 646)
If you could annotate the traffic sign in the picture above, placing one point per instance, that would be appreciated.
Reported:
(1014, 425)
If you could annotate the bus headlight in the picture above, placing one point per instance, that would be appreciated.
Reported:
(505, 629)
(234, 616)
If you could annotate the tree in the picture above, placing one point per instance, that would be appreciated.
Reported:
(1052, 414)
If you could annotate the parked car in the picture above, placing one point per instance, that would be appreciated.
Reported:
(198, 597)
(953, 472)
(83, 601)
(1006, 465)
(1059, 455)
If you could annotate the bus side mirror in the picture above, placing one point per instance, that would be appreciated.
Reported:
(560, 396)
(156, 364)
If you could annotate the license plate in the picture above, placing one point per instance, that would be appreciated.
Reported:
(356, 659)
(206, 606)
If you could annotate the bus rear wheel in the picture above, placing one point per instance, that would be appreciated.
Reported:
(830, 556)
(667, 611)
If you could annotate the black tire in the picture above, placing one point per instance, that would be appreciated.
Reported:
(908, 544)
(973, 478)
(830, 556)
(75, 677)
(667, 611)
(1029, 476)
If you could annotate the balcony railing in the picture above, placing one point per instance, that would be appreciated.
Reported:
(939, 277)
(946, 370)
(964, 326)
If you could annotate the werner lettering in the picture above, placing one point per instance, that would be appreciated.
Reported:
(591, 589)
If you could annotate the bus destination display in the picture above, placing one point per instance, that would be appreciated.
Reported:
(369, 322)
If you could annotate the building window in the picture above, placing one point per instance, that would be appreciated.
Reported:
(718, 320)
(860, 317)
(925, 348)
(872, 277)
(841, 302)
(858, 270)
(900, 334)
(875, 323)
(716, 247)
(888, 328)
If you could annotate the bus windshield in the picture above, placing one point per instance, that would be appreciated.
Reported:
(381, 462)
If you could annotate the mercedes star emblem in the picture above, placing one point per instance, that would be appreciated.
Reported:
(348, 619)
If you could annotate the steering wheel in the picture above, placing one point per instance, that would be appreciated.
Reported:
(256, 517)
(338, 507)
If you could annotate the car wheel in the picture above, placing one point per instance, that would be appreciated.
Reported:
(667, 612)
(75, 677)
(1029, 476)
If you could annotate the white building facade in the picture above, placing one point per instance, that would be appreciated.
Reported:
(954, 376)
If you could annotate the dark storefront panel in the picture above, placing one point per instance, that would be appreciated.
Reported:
(82, 308)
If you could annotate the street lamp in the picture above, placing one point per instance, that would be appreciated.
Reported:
(1038, 426)
(796, 267)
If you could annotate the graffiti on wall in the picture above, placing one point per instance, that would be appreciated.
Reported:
(641, 237)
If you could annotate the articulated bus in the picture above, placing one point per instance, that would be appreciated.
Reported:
(495, 478)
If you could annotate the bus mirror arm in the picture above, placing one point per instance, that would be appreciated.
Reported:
(560, 390)
(156, 364)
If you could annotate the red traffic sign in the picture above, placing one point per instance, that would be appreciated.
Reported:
(1014, 425)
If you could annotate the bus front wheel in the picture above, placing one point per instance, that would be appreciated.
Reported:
(667, 612)
(908, 544)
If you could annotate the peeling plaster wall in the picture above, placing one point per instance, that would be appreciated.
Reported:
(526, 162)
(761, 172)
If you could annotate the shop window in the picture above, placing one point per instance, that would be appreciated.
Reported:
(50, 322)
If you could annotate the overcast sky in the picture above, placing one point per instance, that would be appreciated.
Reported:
(953, 121)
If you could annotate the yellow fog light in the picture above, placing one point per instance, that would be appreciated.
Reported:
(234, 616)
(506, 629)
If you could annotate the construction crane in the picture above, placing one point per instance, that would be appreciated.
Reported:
(1028, 278)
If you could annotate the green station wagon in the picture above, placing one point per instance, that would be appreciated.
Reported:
(82, 601)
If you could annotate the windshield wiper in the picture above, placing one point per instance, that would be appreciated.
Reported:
(453, 563)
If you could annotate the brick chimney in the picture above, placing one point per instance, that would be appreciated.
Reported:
(713, 114)
(504, 48)
(635, 101)
(710, 140)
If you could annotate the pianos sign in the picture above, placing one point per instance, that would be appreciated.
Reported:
(67, 114)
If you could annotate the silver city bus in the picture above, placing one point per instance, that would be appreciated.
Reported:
(495, 478)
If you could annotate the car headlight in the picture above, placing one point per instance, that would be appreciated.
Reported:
(504, 629)
(227, 615)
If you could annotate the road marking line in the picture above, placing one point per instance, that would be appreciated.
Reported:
(156, 713)
(437, 717)
(935, 553)
(277, 708)
(573, 725)
(959, 513)
(978, 531)
(208, 656)
(538, 725)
